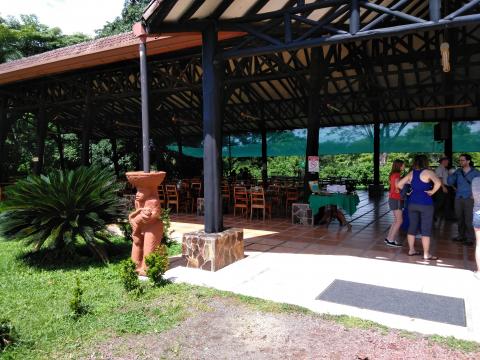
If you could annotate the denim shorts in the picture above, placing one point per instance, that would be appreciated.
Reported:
(476, 219)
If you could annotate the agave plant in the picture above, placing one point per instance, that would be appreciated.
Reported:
(62, 209)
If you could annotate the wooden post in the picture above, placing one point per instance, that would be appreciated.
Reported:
(212, 128)
(264, 157)
(58, 140)
(41, 135)
(180, 164)
(87, 128)
(376, 155)
(113, 141)
(313, 127)
(4, 127)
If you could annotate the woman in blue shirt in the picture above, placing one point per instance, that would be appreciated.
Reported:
(424, 184)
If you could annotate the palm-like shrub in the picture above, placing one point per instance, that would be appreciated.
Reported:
(62, 209)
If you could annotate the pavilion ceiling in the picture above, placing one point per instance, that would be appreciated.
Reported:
(392, 77)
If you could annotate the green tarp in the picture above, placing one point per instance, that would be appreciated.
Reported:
(397, 137)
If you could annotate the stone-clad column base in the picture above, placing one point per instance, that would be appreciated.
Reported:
(212, 251)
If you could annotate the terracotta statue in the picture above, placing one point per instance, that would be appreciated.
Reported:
(147, 227)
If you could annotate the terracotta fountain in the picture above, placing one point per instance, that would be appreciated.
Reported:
(147, 227)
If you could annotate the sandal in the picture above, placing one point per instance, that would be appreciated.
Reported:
(431, 258)
(416, 253)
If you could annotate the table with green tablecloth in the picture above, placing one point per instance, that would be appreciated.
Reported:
(347, 202)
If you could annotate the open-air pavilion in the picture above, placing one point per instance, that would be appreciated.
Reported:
(222, 68)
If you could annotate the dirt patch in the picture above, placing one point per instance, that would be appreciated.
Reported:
(232, 330)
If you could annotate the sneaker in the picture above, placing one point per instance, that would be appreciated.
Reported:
(391, 243)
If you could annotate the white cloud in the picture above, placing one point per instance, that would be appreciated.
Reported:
(69, 15)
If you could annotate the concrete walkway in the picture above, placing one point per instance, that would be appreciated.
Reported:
(298, 278)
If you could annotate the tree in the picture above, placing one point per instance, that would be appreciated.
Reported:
(131, 13)
(27, 36)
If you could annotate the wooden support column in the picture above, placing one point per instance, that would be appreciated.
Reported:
(313, 127)
(448, 142)
(4, 128)
(113, 141)
(230, 164)
(87, 128)
(212, 129)
(180, 164)
(264, 157)
(376, 154)
(41, 135)
(58, 140)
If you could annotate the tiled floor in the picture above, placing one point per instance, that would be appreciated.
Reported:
(369, 225)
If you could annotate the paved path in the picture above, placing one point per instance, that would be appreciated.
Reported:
(298, 278)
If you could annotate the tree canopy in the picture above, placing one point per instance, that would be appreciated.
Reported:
(131, 13)
(27, 36)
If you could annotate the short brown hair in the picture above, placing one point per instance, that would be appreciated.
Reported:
(396, 166)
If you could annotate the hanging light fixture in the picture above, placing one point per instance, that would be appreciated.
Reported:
(445, 46)
(445, 52)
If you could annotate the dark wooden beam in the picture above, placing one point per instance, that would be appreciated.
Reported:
(264, 156)
(4, 128)
(113, 142)
(313, 126)
(376, 154)
(41, 135)
(87, 130)
(58, 139)
(212, 127)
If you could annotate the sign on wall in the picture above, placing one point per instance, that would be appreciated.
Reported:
(313, 164)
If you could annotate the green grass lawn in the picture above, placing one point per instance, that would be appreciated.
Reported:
(35, 298)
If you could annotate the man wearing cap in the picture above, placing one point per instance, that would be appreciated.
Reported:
(441, 197)
(462, 180)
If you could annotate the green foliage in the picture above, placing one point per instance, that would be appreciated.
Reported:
(131, 13)
(167, 232)
(157, 265)
(456, 344)
(62, 209)
(129, 277)
(77, 308)
(27, 36)
(8, 334)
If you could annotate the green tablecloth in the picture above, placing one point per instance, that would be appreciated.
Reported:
(348, 202)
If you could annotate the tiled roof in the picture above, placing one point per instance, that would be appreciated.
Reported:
(95, 52)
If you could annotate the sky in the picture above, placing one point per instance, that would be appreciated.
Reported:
(71, 16)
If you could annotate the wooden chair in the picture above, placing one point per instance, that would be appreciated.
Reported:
(291, 197)
(275, 196)
(196, 192)
(257, 201)
(226, 195)
(173, 198)
(162, 197)
(240, 198)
